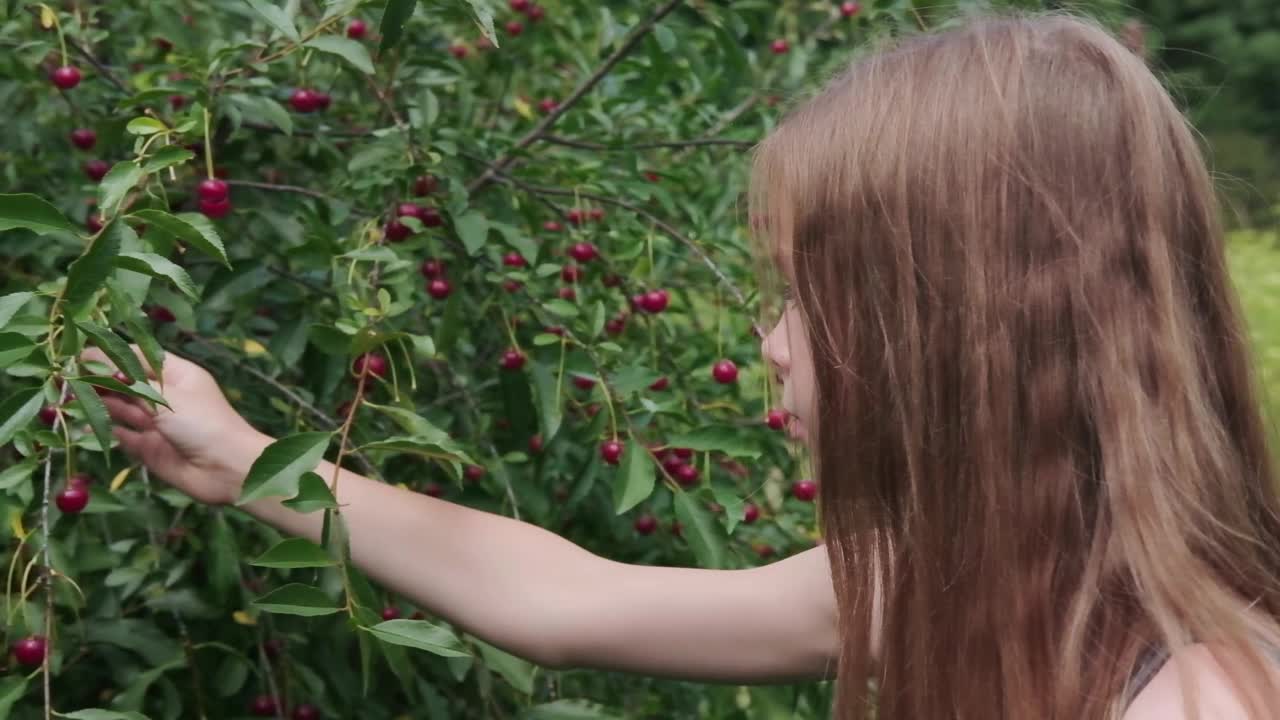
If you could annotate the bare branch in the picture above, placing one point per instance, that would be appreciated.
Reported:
(582, 145)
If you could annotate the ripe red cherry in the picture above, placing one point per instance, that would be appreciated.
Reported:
(215, 209)
(474, 472)
(30, 651)
(583, 252)
(425, 185)
(687, 475)
(514, 28)
(567, 293)
(72, 499)
(434, 489)
(161, 314)
(611, 451)
(322, 99)
(262, 706)
(374, 363)
(390, 612)
(652, 176)
(582, 382)
(597, 214)
(409, 210)
(611, 280)
(725, 372)
(96, 169)
(780, 47)
(552, 226)
(162, 44)
(511, 286)
(660, 384)
(575, 216)
(765, 551)
(356, 29)
(396, 231)
(48, 415)
(615, 326)
(536, 13)
(535, 444)
(776, 419)
(646, 524)
(177, 102)
(84, 138)
(432, 268)
(514, 259)
(655, 301)
(439, 288)
(520, 5)
(80, 480)
(458, 51)
(805, 490)
(304, 100)
(66, 77)
(850, 9)
(306, 711)
(93, 223)
(750, 513)
(512, 359)
(273, 647)
(571, 273)
(431, 217)
(547, 105)
(682, 453)
(213, 190)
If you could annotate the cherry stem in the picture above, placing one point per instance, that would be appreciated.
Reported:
(208, 146)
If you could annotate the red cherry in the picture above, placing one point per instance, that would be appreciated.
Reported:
(611, 451)
(655, 301)
(514, 28)
(322, 99)
(535, 444)
(780, 47)
(552, 226)
(306, 711)
(672, 464)
(514, 259)
(660, 384)
(765, 550)
(776, 419)
(805, 490)
(273, 647)
(72, 499)
(615, 326)
(390, 612)
(356, 29)
(511, 286)
(458, 51)
(30, 651)
(512, 359)
(177, 101)
(96, 169)
(304, 100)
(409, 210)
(82, 480)
(163, 44)
(574, 216)
(687, 475)
(567, 293)
(262, 706)
(396, 231)
(161, 314)
(474, 472)
(435, 490)
(484, 43)
(431, 217)
(432, 268)
(84, 138)
(374, 363)
(215, 210)
(93, 223)
(425, 185)
(652, 176)
(725, 372)
(583, 252)
(536, 13)
(520, 5)
(646, 524)
(682, 453)
(597, 214)
(582, 382)
(850, 9)
(48, 415)
(439, 288)
(554, 330)
(213, 190)
(750, 513)
(66, 77)
(571, 273)
(611, 280)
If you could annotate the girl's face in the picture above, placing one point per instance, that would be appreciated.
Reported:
(786, 348)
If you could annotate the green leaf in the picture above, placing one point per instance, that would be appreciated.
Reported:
(88, 272)
(443, 450)
(96, 412)
(569, 710)
(472, 230)
(278, 469)
(517, 671)
(165, 157)
(732, 503)
(411, 422)
(149, 346)
(484, 18)
(145, 126)
(33, 213)
(550, 414)
(597, 319)
(394, 17)
(10, 305)
(294, 553)
(636, 477)
(96, 714)
(189, 228)
(349, 50)
(297, 599)
(276, 18)
(14, 347)
(120, 180)
(116, 349)
(17, 410)
(18, 473)
(705, 537)
(563, 308)
(718, 438)
(143, 637)
(420, 634)
(632, 379)
(159, 267)
(258, 108)
(223, 559)
(140, 389)
(12, 688)
(313, 494)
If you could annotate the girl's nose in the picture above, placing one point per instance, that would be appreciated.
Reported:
(775, 350)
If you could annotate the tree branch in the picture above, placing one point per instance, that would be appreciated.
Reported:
(582, 145)
(505, 160)
(283, 188)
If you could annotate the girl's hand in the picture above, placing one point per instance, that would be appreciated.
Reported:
(202, 446)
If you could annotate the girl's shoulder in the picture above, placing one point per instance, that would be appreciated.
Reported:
(1162, 699)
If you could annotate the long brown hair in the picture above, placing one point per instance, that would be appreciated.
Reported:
(1038, 427)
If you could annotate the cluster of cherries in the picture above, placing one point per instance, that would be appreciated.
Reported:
(534, 12)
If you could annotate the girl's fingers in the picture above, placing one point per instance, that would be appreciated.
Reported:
(129, 412)
(96, 355)
(131, 441)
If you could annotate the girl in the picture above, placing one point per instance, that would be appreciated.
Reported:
(1012, 346)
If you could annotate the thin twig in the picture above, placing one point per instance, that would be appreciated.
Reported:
(582, 145)
(283, 188)
(299, 132)
(103, 70)
(504, 161)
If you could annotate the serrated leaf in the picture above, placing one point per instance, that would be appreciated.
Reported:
(12, 688)
(276, 18)
(597, 318)
(172, 155)
(411, 422)
(636, 477)
(145, 126)
(32, 212)
(17, 473)
(98, 714)
(89, 272)
(484, 18)
(189, 228)
(297, 599)
(313, 494)
(732, 503)
(703, 535)
(563, 308)
(158, 266)
(516, 670)
(394, 17)
(345, 48)
(294, 553)
(96, 412)
(116, 349)
(141, 390)
(472, 229)
(718, 438)
(14, 347)
(10, 305)
(420, 634)
(118, 181)
(17, 410)
(258, 107)
(278, 469)
(632, 379)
